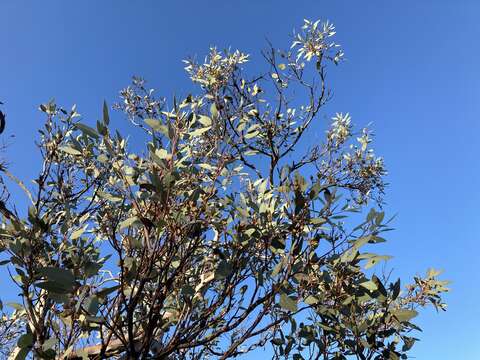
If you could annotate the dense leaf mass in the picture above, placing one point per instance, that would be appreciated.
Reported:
(221, 236)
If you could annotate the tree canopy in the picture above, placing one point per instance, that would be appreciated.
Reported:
(225, 233)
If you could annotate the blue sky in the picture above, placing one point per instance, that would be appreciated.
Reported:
(411, 69)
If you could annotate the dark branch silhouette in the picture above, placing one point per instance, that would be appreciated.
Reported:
(2, 120)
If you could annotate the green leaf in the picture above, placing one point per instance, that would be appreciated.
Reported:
(379, 217)
(49, 343)
(25, 341)
(87, 130)
(408, 343)
(310, 300)
(251, 135)
(371, 215)
(69, 150)
(92, 305)
(155, 124)
(188, 291)
(16, 306)
(223, 270)
(214, 111)
(375, 260)
(396, 289)
(54, 287)
(318, 221)
(199, 132)
(288, 303)
(57, 278)
(77, 233)
(381, 289)
(205, 120)
(128, 222)
(163, 154)
(361, 241)
(101, 128)
(107, 291)
(168, 131)
(277, 341)
(102, 158)
(404, 315)
(207, 167)
(22, 354)
(369, 285)
(108, 196)
(106, 117)
(276, 270)
(59, 298)
(252, 131)
(93, 322)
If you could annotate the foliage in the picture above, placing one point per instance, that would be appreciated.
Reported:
(219, 237)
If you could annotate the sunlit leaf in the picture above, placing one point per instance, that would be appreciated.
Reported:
(403, 315)
(70, 150)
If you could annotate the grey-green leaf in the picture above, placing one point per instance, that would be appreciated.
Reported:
(70, 150)
(288, 303)
(155, 124)
(62, 277)
(25, 341)
(87, 130)
(223, 270)
(106, 117)
(403, 315)
(128, 222)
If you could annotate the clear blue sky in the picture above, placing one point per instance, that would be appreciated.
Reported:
(412, 70)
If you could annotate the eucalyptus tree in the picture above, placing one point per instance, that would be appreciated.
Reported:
(226, 232)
